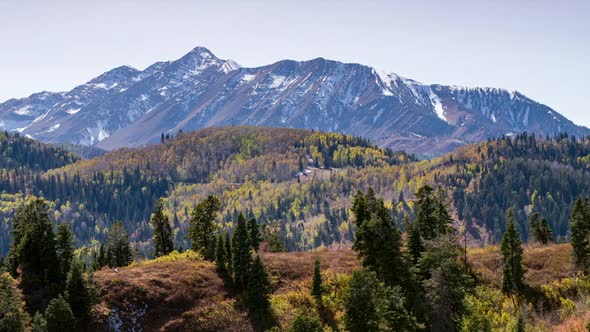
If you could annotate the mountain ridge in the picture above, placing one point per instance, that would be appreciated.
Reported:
(130, 107)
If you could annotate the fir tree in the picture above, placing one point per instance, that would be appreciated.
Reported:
(40, 278)
(535, 226)
(378, 240)
(445, 282)
(162, 234)
(77, 293)
(228, 253)
(65, 248)
(59, 316)
(258, 290)
(220, 254)
(512, 282)
(414, 243)
(371, 306)
(580, 238)
(546, 232)
(254, 234)
(317, 289)
(202, 226)
(242, 259)
(118, 248)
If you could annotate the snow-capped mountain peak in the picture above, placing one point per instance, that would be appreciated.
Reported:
(129, 107)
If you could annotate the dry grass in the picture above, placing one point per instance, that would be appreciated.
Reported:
(172, 292)
(185, 293)
(543, 264)
(288, 268)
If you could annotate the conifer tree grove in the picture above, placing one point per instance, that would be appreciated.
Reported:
(202, 226)
(162, 236)
(242, 259)
(580, 234)
(317, 289)
(511, 248)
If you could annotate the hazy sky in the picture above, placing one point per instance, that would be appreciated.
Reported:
(539, 47)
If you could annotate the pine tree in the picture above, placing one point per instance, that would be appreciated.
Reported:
(414, 243)
(258, 290)
(242, 259)
(546, 232)
(512, 282)
(118, 248)
(580, 238)
(254, 234)
(162, 234)
(445, 282)
(228, 252)
(370, 306)
(59, 316)
(425, 208)
(202, 226)
(65, 248)
(77, 293)
(377, 239)
(535, 226)
(220, 254)
(317, 289)
(40, 278)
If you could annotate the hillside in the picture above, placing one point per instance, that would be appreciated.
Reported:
(184, 294)
(127, 107)
(299, 183)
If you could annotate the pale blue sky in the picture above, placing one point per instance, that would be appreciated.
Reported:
(539, 47)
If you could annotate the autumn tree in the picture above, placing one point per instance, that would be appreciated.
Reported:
(162, 231)
(202, 226)
(13, 318)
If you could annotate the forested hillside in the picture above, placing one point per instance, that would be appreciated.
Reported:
(227, 193)
(298, 183)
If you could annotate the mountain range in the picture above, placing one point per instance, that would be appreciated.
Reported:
(129, 107)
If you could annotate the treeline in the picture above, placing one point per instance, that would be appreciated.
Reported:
(17, 152)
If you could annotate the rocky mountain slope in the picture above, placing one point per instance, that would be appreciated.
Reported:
(129, 107)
